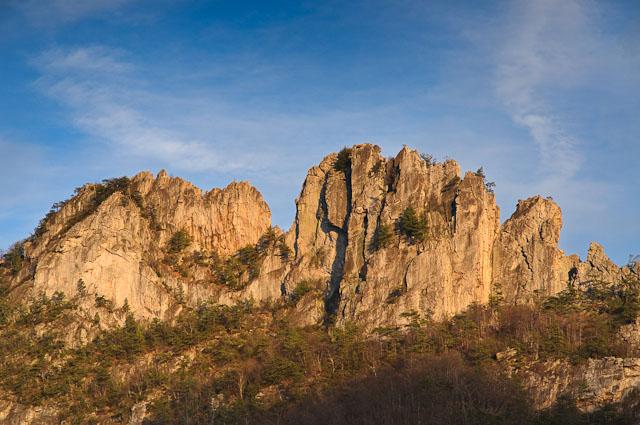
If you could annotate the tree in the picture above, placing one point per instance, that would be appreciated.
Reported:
(179, 241)
(247, 371)
(14, 257)
(132, 336)
(125, 306)
(285, 251)
(343, 160)
(412, 226)
(489, 186)
(180, 295)
(428, 159)
(81, 287)
(300, 290)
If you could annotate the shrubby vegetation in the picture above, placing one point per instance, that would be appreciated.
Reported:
(302, 288)
(377, 168)
(412, 226)
(241, 268)
(234, 271)
(101, 192)
(13, 258)
(179, 241)
(424, 373)
(394, 294)
(428, 159)
(343, 160)
(247, 364)
(489, 186)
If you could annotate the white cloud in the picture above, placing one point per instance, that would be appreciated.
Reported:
(52, 12)
(193, 128)
(109, 101)
(547, 46)
(92, 58)
(562, 68)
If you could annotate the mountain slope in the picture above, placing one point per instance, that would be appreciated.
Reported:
(378, 244)
(116, 240)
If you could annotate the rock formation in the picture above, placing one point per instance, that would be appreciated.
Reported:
(115, 243)
(114, 239)
(465, 257)
(340, 210)
(593, 385)
(526, 257)
(376, 241)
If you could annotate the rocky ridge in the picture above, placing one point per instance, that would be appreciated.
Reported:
(110, 247)
(118, 247)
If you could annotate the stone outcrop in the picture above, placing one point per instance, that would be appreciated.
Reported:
(118, 246)
(593, 385)
(113, 245)
(221, 220)
(15, 414)
(466, 257)
(598, 267)
(526, 259)
(339, 212)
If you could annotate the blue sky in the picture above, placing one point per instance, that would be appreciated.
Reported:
(544, 94)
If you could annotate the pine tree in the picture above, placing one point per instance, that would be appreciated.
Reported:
(81, 287)
(179, 241)
(412, 226)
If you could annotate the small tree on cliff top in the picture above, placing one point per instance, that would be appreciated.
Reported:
(343, 160)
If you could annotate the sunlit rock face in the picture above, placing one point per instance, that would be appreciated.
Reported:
(592, 385)
(466, 257)
(527, 262)
(346, 249)
(118, 247)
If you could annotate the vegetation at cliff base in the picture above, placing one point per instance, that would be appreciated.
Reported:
(249, 364)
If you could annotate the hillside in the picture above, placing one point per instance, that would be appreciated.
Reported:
(396, 291)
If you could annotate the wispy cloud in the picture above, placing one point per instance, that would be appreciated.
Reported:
(84, 59)
(194, 127)
(53, 12)
(550, 58)
(547, 46)
(110, 101)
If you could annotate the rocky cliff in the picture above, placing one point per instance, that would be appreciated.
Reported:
(463, 256)
(380, 242)
(347, 240)
(111, 242)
